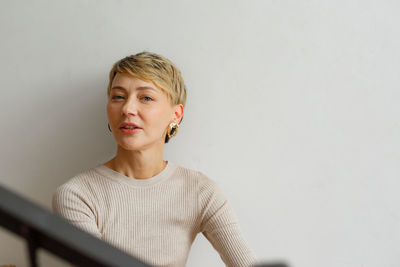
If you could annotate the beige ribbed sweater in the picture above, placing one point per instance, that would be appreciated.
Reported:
(154, 219)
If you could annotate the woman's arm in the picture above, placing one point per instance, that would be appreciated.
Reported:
(71, 203)
(220, 226)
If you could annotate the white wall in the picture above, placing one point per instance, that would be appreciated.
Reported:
(293, 108)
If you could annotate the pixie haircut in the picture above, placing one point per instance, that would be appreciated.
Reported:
(154, 68)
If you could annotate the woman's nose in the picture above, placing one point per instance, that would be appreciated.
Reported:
(130, 107)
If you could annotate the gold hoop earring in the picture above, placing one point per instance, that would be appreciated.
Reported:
(172, 129)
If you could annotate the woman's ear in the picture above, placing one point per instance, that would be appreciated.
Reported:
(178, 113)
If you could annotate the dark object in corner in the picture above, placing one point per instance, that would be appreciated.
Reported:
(43, 229)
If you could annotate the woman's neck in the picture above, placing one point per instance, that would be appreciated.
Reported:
(137, 164)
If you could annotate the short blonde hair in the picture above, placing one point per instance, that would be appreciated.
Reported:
(155, 68)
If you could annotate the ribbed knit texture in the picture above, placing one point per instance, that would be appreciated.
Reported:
(154, 219)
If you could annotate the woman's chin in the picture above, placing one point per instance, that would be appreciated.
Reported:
(130, 145)
(138, 143)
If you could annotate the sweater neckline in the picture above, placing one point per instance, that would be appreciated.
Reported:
(121, 178)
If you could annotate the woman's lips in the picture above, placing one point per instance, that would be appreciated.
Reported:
(130, 131)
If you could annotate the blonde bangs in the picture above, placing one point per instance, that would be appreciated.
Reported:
(155, 68)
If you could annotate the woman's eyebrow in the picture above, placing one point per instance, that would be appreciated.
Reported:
(146, 88)
(118, 88)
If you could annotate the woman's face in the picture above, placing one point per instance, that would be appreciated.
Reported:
(132, 100)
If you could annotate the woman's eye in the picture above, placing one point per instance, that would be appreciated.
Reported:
(116, 97)
(147, 98)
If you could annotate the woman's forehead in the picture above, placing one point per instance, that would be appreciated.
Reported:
(129, 82)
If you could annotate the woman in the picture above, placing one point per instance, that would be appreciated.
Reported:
(148, 207)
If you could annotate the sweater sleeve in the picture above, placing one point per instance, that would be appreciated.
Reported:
(72, 204)
(221, 228)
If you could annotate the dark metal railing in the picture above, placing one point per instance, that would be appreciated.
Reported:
(44, 229)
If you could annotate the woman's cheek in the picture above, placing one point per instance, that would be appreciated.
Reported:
(112, 108)
(109, 108)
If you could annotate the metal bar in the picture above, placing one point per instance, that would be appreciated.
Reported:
(32, 248)
(41, 228)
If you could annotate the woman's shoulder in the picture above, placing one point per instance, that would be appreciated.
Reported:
(76, 190)
(200, 178)
(207, 189)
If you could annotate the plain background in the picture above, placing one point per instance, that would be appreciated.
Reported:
(293, 109)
